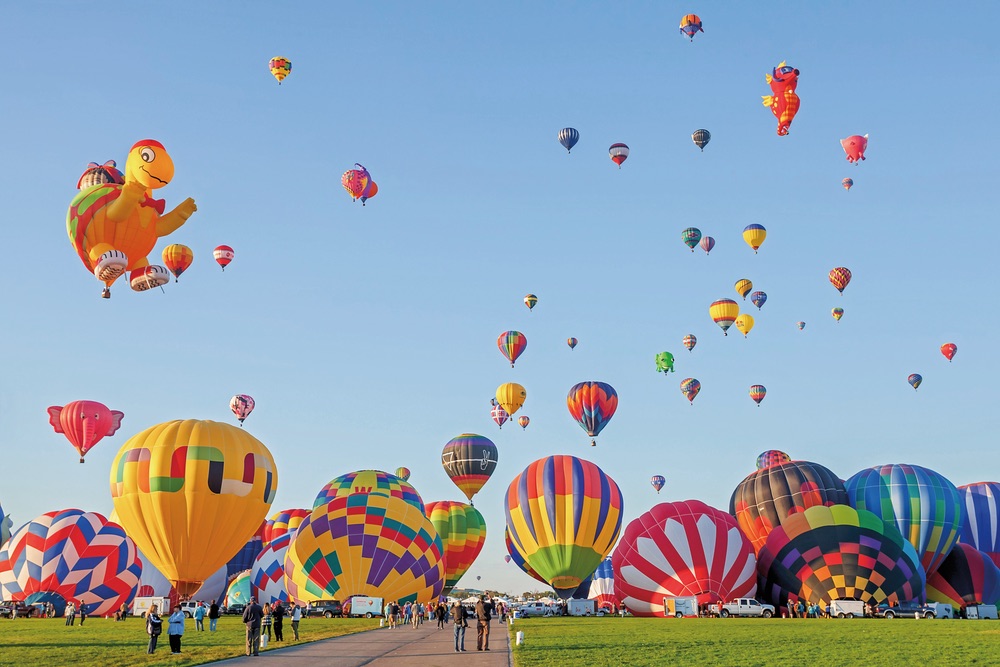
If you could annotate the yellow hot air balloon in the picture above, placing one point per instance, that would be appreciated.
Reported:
(743, 287)
(754, 235)
(744, 323)
(190, 493)
(280, 67)
(510, 396)
(723, 313)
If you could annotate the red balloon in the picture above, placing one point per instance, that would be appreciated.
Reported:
(85, 423)
(949, 350)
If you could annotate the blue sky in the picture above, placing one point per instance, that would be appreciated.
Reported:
(367, 335)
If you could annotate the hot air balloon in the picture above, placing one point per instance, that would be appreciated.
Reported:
(691, 25)
(523, 421)
(772, 457)
(847, 183)
(744, 323)
(244, 557)
(365, 544)
(800, 325)
(690, 341)
(239, 591)
(280, 67)
(915, 379)
(242, 405)
(783, 102)
(190, 493)
(701, 138)
(368, 481)
(592, 405)
(6, 523)
(99, 174)
(925, 507)
(519, 559)
(564, 515)
(827, 553)
(691, 236)
(658, 481)
(619, 153)
(743, 287)
(84, 423)
(403, 473)
(267, 576)
(282, 523)
(949, 350)
(602, 585)
(530, 300)
(370, 191)
(506, 558)
(512, 344)
(707, 243)
(568, 138)
(840, 277)
(690, 388)
(754, 236)
(767, 497)
(511, 396)
(571, 342)
(469, 460)
(499, 415)
(462, 530)
(723, 312)
(966, 576)
(664, 363)
(70, 555)
(758, 298)
(757, 393)
(855, 146)
(355, 181)
(837, 313)
(223, 255)
(679, 549)
(177, 258)
(981, 519)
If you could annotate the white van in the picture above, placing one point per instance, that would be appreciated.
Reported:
(680, 607)
(981, 611)
(940, 610)
(847, 609)
(141, 605)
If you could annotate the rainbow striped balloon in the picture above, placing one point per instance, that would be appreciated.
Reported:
(592, 405)
(280, 523)
(512, 344)
(462, 530)
(469, 459)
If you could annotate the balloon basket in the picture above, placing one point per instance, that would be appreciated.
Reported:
(81, 459)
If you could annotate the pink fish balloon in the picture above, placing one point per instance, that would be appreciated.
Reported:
(855, 147)
(85, 423)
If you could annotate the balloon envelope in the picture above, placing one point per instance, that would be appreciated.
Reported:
(403, 473)
(469, 459)
(915, 379)
(511, 396)
(280, 67)
(690, 341)
(754, 236)
(592, 405)
(772, 457)
(368, 481)
(758, 298)
(85, 423)
(658, 481)
(723, 312)
(701, 138)
(462, 530)
(757, 393)
(949, 350)
(242, 405)
(512, 344)
(981, 518)
(966, 576)
(281, 523)
(568, 138)
(619, 153)
(743, 287)
(177, 258)
(602, 585)
(691, 236)
(707, 243)
(690, 388)
(572, 342)
(267, 576)
(238, 591)
(840, 277)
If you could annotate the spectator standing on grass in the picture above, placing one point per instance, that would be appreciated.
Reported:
(458, 617)
(266, 622)
(252, 617)
(154, 626)
(484, 614)
(199, 617)
(213, 616)
(70, 614)
(175, 630)
(279, 619)
(296, 617)
(83, 613)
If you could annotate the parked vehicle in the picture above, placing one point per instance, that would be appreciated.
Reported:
(535, 609)
(847, 609)
(326, 609)
(743, 607)
(141, 605)
(977, 611)
(940, 610)
(682, 606)
(582, 607)
(23, 610)
(189, 607)
(904, 610)
(362, 605)
(235, 609)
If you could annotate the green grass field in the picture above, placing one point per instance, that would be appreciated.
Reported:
(104, 643)
(635, 642)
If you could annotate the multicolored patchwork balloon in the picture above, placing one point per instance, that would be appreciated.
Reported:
(469, 460)
(280, 67)
(847, 183)
(772, 457)
(837, 313)
(499, 415)
(658, 482)
(691, 25)
(530, 300)
(403, 473)
(757, 393)
(281, 523)
(518, 558)
(512, 344)
(592, 405)
(523, 421)
(840, 277)
(368, 481)
(368, 544)
(925, 507)
(690, 341)
(690, 388)
(267, 576)
(71, 555)
(177, 258)
(564, 515)
(572, 342)
(462, 530)
(837, 552)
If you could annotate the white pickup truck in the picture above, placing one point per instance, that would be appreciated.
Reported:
(742, 607)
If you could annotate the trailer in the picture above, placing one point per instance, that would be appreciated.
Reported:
(362, 605)
(141, 605)
(582, 607)
(680, 607)
(976, 611)
(847, 609)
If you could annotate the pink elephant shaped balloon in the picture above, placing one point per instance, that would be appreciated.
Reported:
(85, 423)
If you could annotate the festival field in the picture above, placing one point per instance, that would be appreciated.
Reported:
(755, 642)
(104, 643)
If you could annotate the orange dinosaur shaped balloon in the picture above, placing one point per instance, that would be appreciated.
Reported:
(114, 226)
(784, 102)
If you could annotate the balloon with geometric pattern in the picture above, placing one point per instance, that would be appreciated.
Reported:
(368, 481)
(530, 300)
(690, 388)
(602, 585)
(280, 523)
(966, 576)
(772, 457)
(691, 26)
(757, 393)
(690, 341)
(840, 277)
(403, 473)
(592, 404)
(512, 344)
(280, 67)
(267, 576)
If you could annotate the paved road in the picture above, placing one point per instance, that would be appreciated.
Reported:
(403, 647)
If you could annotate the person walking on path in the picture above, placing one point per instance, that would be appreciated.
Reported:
(393, 614)
(415, 615)
(175, 630)
(70, 614)
(213, 616)
(441, 612)
(279, 616)
(154, 626)
(296, 617)
(484, 614)
(252, 617)
(199, 617)
(458, 617)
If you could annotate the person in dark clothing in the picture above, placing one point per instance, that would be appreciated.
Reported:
(441, 613)
(484, 614)
(213, 616)
(458, 617)
(279, 615)
(154, 627)
(252, 617)
(83, 613)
